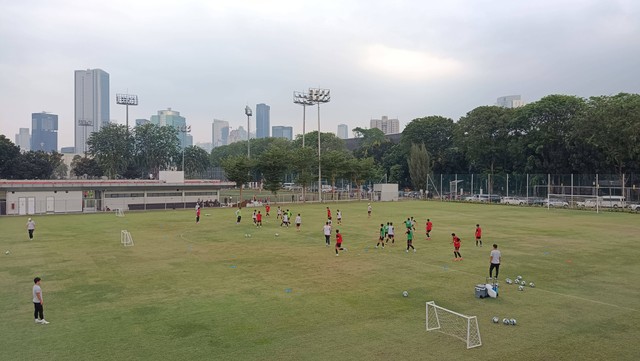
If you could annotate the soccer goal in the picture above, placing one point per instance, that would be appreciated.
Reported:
(453, 324)
(119, 212)
(125, 238)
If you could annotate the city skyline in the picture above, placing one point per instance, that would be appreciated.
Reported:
(413, 64)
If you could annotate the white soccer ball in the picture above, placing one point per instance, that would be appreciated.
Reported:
(6, 252)
(512, 321)
(405, 293)
(509, 281)
(249, 235)
(532, 285)
(520, 288)
(277, 234)
(496, 319)
(505, 321)
(519, 278)
(523, 283)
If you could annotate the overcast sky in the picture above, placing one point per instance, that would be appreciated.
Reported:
(404, 59)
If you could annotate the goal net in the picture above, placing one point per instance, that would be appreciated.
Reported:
(453, 324)
(125, 238)
(119, 212)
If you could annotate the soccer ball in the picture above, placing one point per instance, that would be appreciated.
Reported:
(520, 288)
(512, 321)
(519, 278)
(495, 319)
(505, 321)
(6, 252)
(405, 293)
(532, 285)
(523, 283)
(509, 281)
(277, 234)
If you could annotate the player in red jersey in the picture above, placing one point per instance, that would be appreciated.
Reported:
(478, 235)
(197, 214)
(259, 219)
(429, 228)
(267, 208)
(456, 245)
(328, 213)
(339, 242)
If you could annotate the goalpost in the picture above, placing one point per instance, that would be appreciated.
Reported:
(125, 238)
(119, 212)
(453, 324)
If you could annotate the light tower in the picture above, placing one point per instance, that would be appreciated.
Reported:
(127, 99)
(302, 99)
(318, 96)
(248, 112)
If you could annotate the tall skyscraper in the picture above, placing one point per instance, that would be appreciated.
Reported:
(388, 126)
(23, 139)
(220, 133)
(279, 131)
(262, 121)
(343, 131)
(91, 105)
(237, 135)
(44, 132)
(172, 118)
(510, 101)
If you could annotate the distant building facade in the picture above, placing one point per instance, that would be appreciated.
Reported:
(220, 133)
(388, 126)
(510, 101)
(91, 110)
(23, 139)
(279, 131)
(142, 122)
(173, 118)
(343, 131)
(237, 135)
(44, 132)
(263, 122)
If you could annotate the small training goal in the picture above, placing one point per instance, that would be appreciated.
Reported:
(119, 212)
(453, 324)
(125, 238)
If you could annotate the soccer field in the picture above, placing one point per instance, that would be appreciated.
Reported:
(207, 291)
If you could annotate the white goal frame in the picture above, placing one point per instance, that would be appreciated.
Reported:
(125, 238)
(453, 324)
(119, 212)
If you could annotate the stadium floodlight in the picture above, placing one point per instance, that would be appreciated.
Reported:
(127, 99)
(248, 112)
(317, 96)
(85, 123)
(302, 99)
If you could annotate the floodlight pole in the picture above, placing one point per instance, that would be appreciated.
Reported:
(302, 99)
(84, 123)
(127, 99)
(318, 96)
(248, 112)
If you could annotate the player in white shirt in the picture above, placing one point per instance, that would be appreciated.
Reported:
(285, 219)
(327, 233)
(339, 216)
(391, 234)
(298, 222)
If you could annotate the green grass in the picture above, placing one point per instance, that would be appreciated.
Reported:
(187, 291)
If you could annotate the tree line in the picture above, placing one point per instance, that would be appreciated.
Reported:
(559, 134)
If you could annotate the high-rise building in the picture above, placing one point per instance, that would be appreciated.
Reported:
(279, 131)
(23, 139)
(237, 135)
(173, 118)
(343, 131)
(388, 126)
(262, 120)
(44, 132)
(220, 133)
(510, 101)
(142, 122)
(91, 105)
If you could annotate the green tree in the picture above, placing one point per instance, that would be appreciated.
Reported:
(334, 164)
(37, 165)
(156, 148)
(370, 141)
(81, 166)
(304, 168)
(328, 141)
(359, 171)
(419, 166)
(9, 154)
(112, 147)
(237, 169)
(273, 163)
(436, 133)
(196, 160)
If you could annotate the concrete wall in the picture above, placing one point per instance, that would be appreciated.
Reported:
(43, 202)
(385, 192)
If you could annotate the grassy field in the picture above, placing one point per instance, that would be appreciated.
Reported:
(208, 292)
